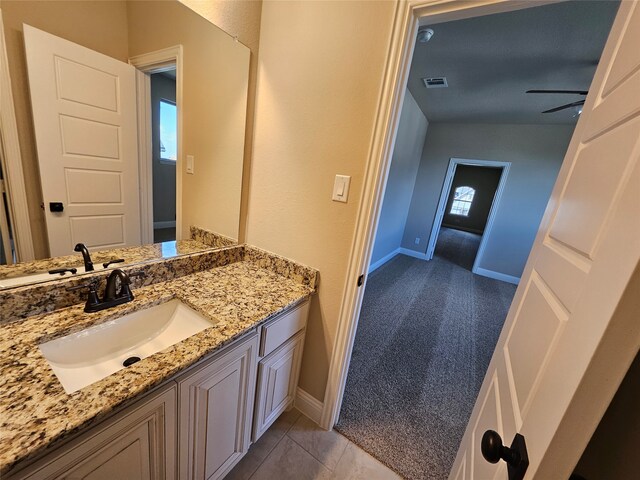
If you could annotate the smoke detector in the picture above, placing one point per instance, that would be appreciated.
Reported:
(435, 82)
(424, 34)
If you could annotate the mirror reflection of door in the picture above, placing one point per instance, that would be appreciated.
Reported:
(84, 115)
(164, 137)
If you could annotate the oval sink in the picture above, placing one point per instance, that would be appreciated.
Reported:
(85, 357)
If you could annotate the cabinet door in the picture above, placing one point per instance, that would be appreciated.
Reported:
(216, 402)
(137, 444)
(277, 382)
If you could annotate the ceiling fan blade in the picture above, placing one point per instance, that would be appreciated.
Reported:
(568, 92)
(562, 107)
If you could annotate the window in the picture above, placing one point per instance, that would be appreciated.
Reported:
(168, 131)
(462, 199)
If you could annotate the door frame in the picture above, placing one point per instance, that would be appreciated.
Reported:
(147, 64)
(442, 203)
(11, 159)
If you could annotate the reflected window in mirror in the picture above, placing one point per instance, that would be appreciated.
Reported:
(168, 131)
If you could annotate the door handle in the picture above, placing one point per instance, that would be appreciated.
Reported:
(56, 207)
(516, 456)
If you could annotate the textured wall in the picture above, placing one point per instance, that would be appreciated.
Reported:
(536, 153)
(215, 82)
(101, 26)
(319, 82)
(241, 19)
(402, 177)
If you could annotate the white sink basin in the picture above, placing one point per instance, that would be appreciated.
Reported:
(83, 358)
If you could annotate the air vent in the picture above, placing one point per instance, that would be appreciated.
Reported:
(435, 82)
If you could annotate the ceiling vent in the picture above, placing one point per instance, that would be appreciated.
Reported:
(435, 82)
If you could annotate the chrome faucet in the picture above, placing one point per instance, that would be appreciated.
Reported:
(112, 294)
(88, 264)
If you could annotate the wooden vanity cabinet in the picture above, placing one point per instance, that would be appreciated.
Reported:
(216, 403)
(139, 443)
(197, 426)
(282, 341)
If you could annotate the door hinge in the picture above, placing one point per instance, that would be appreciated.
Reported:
(360, 280)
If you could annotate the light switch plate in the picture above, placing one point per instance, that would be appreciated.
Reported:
(190, 164)
(341, 188)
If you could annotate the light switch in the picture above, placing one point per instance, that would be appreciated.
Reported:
(341, 188)
(190, 162)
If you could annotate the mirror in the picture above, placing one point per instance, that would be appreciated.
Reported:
(131, 120)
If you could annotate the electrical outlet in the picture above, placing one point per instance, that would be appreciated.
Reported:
(417, 240)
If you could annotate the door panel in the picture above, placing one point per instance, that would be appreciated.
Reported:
(580, 264)
(84, 111)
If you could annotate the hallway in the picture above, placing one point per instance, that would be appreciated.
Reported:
(426, 334)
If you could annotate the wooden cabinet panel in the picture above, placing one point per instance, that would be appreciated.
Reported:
(282, 328)
(137, 444)
(277, 382)
(216, 401)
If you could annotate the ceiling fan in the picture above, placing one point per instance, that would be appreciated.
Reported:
(565, 92)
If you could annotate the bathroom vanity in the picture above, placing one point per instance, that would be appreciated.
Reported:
(188, 411)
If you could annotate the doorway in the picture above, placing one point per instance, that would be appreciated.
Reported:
(160, 125)
(164, 148)
(395, 341)
(471, 194)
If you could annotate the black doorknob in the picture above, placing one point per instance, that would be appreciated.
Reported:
(516, 456)
(493, 450)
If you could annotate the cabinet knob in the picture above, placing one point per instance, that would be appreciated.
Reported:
(516, 456)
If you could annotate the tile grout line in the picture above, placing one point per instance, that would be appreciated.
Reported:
(266, 457)
(272, 449)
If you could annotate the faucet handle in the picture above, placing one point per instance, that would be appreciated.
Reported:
(92, 300)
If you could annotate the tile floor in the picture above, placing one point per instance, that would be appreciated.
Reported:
(295, 448)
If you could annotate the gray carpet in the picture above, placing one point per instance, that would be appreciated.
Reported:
(426, 334)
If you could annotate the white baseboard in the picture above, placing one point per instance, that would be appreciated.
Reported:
(309, 406)
(383, 260)
(413, 253)
(164, 224)
(496, 275)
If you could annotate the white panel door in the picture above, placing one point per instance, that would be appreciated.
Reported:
(84, 112)
(585, 253)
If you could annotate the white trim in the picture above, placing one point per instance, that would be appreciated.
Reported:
(156, 62)
(497, 275)
(413, 253)
(308, 405)
(145, 161)
(12, 162)
(406, 21)
(164, 224)
(374, 266)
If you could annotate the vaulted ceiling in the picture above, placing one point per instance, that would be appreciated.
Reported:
(491, 61)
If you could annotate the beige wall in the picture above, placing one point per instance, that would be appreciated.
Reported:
(214, 108)
(241, 19)
(101, 26)
(319, 81)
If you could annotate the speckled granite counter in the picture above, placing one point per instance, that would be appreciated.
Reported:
(35, 411)
(200, 240)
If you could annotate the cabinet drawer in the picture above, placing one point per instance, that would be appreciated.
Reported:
(278, 331)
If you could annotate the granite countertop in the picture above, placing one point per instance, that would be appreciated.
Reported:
(130, 255)
(34, 408)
